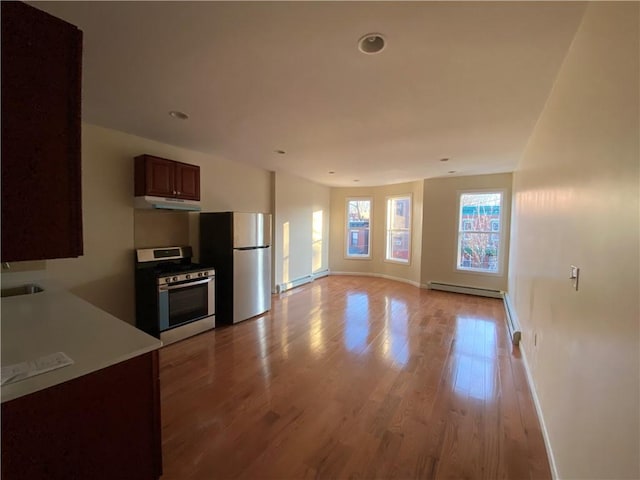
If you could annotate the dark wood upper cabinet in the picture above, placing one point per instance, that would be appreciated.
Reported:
(188, 181)
(41, 164)
(160, 177)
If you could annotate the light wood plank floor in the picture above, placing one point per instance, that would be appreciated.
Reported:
(352, 377)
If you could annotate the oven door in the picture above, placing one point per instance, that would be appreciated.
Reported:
(184, 302)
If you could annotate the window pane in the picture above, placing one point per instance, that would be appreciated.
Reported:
(480, 212)
(359, 243)
(358, 226)
(479, 232)
(398, 229)
(401, 213)
(478, 251)
(398, 245)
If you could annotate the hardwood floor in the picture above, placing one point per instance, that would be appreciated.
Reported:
(352, 377)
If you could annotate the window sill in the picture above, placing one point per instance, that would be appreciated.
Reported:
(478, 272)
(398, 262)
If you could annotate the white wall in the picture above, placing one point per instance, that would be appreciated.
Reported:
(376, 265)
(112, 229)
(440, 230)
(297, 202)
(576, 202)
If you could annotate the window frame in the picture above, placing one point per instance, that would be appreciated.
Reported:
(387, 230)
(347, 232)
(502, 246)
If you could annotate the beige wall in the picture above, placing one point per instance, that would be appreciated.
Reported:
(576, 202)
(296, 254)
(112, 229)
(440, 229)
(159, 228)
(376, 265)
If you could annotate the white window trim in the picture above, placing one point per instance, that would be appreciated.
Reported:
(501, 254)
(386, 229)
(347, 237)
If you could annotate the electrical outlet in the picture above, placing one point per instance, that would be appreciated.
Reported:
(574, 275)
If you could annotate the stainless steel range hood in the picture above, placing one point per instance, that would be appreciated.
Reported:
(166, 203)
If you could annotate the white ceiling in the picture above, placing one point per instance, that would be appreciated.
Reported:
(466, 81)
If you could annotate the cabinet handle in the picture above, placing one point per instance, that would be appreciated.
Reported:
(174, 192)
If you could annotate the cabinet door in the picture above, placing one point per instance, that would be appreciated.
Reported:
(104, 425)
(41, 174)
(187, 181)
(160, 177)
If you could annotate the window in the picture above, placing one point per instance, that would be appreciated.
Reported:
(479, 232)
(358, 228)
(398, 229)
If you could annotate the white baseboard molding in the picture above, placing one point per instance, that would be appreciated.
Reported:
(543, 426)
(512, 319)
(450, 287)
(378, 275)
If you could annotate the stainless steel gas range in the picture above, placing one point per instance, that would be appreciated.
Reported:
(175, 298)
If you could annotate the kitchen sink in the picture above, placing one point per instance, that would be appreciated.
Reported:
(27, 289)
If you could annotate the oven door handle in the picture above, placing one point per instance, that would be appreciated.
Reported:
(182, 285)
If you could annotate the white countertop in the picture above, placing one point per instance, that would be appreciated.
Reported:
(55, 320)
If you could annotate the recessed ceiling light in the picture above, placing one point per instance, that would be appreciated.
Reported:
(444, 159)
(356, 180)
(371, 43)
(179, 115)
(451, 171)
(280, 152)
(331, 172)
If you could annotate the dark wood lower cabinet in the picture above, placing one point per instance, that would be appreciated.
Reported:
(105, 425)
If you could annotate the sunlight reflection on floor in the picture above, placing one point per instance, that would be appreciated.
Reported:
(475, 357)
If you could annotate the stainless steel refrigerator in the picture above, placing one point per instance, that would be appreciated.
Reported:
(238, 246)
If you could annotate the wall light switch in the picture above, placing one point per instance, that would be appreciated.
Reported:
(574, 276)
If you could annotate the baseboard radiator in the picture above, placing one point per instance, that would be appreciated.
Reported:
(449, 287)
(512, 321)
(283, 287)
(320, 274)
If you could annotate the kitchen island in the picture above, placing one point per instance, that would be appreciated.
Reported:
(96, 418)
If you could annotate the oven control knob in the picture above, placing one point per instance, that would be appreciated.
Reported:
(201, 274)
(187, 276)
(168, 279)
(175, 279)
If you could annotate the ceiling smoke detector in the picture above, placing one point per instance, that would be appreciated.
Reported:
(371, 43)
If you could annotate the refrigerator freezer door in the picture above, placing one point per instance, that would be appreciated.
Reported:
(251, 230)
(251, 282)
